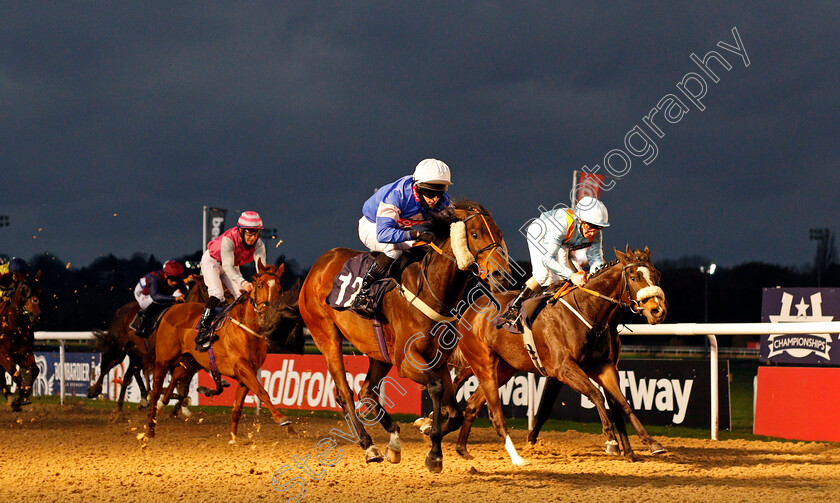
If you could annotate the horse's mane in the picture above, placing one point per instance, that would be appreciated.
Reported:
(283, 326)
(603, 268)
(440, 224)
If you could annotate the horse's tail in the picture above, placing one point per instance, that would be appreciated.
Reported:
(457, 360)
(284, 325)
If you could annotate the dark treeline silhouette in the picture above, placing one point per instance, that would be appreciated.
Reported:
(86, 298)
(78, 299)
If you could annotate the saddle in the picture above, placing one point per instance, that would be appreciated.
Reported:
(145, 322)
(529, 311)
(348, 282)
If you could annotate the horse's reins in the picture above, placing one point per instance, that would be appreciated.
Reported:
(259, 308)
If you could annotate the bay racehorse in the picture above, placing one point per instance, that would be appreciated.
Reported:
(239, 352)
(574, 340)
(415, 337)
(119, 342)
(18, 314)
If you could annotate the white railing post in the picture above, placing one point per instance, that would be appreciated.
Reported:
(61, 368)
(715, 386)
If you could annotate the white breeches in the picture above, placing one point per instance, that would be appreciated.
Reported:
(214, 277)
(367, 233)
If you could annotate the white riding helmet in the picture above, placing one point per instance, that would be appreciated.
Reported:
(432, 174)
(592, 211)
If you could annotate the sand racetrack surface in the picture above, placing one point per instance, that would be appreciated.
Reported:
(84, 453)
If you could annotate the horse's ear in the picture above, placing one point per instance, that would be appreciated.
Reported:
(629, 251)
(280, 269)
(38, 275)
(646, 254)
(260, 264)
(620, 255)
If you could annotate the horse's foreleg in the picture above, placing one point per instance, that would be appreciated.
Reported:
(140, 379)
(174, 380)
(236, 413)
(112, 361)
(159, 374)
(434, 458)
(608, 377)
(488, 378)
(577, 379)
(372, 389)
(549, 397)
(503, 373)
(245, 375)
(124, 386)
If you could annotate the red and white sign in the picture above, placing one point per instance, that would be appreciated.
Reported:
(799, 403)
(303, 382)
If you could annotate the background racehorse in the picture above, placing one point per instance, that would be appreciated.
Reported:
(120, 341)
(238, 353)
(570, 349)
(17, 317)
(438, 281)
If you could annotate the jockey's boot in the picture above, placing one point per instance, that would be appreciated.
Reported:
(203, 338)
(141, 326)
(511, 316)
(362, 301)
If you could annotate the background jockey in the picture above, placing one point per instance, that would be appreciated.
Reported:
(551, 239)
(220, 264)
(157, 290)
(388, 214)
(11, 273)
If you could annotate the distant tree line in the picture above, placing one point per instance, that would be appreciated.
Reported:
(77, 299)
(87, 298)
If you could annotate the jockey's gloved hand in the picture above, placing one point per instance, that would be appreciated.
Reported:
(426, 236)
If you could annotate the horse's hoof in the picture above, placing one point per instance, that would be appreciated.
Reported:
(232, 440)
(612, 448)
(656, 448)
(372, 455)
(185, 412)
(434, 463)
(282, 420)
(520, 462)
(463, 453)
(393, 456)
(424, 424)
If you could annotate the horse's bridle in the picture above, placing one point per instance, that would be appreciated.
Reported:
(259, 308)
(633, 304)
(481, 268)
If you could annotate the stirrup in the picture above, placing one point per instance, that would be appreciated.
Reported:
(362, 302)
(203, 342)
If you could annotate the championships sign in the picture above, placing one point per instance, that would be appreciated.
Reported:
(790, 305)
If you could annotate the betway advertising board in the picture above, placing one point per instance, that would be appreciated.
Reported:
(661, 392)
(791, 305)
(303, 382)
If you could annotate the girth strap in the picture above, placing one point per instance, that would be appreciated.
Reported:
(423, 307)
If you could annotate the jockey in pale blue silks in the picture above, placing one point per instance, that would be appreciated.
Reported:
(552, 238)
(390, 212)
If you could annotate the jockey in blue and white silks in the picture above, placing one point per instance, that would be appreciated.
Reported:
(387, 217)
(553, 237)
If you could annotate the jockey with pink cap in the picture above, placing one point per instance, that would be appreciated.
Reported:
(220, 264)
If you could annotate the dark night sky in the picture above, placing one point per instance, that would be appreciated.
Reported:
(120, 121)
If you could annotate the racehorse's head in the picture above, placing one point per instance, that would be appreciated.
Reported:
(266, 287)
(478, 242)
(27, 298)
(641, 284)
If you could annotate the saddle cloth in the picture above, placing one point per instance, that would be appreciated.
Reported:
(348, 282)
